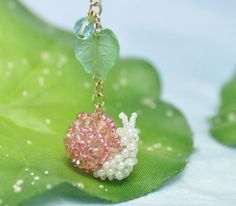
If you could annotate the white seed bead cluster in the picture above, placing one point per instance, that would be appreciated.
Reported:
(122, 164)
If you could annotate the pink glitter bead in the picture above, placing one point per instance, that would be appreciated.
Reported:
(91, 141)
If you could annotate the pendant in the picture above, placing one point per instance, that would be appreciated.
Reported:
(95, 145)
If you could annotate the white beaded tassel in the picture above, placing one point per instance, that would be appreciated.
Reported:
(122, 164)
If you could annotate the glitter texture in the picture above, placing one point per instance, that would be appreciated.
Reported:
(91, 141)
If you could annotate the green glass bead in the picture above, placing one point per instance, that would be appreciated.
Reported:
(84, 28)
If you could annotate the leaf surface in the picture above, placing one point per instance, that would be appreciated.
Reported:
(223, 124)
(43, 88)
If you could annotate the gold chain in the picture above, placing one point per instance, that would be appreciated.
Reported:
(98, 96)
(94, 13)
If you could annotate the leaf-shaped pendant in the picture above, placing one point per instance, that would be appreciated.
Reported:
(98, 53)
(96, 146)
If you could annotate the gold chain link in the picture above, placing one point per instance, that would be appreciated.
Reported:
(98, 96)
(94, 13)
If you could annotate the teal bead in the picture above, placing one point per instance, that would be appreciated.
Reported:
(84, 31)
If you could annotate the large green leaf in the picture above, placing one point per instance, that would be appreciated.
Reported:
(223, 125)
(43, 87)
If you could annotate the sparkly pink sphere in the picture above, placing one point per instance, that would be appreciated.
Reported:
(91, 141)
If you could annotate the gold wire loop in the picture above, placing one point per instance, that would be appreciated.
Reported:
(96, 8)
(94, 13)
(98, 96)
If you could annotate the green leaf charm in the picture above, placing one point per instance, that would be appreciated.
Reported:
(98, 53)
(41, 92)
(223, 125)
